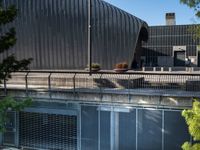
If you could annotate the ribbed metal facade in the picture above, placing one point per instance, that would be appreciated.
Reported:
(54, 33)
(159, 50)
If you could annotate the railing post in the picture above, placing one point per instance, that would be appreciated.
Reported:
(162, 69)
(89, 46)
(191, 69)
(163, 129)
(26, 83)
(101, 94)
(74, 85)
(160, 83)
(129, 96)
(154, 69)
(49, 84)
(5, 87)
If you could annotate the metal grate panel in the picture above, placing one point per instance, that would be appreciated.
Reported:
(9, 137)
(48, 131)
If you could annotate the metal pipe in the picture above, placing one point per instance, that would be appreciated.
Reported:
(49, 84)
(5, 87)
(112, 72)
(101, 93)
(89, 38)
(26, 82)
(74, 85)
(129, 97)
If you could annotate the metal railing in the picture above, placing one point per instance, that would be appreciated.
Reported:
(131, 82)
(171, 69)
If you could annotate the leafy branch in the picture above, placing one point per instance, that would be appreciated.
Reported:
(192, 117)
(9, 104)
(9, 64)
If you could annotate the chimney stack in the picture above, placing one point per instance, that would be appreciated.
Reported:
(170, 19)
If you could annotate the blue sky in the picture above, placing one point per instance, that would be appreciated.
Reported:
(153, 11)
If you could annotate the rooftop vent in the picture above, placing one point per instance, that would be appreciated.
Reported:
(170, 19)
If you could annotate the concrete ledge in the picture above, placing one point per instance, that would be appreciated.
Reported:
(94, 96)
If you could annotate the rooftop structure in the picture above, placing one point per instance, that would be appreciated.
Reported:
(170, 19)
(171, 46)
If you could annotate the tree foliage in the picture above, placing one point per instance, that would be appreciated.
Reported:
(10, 63)
(194, 4)
(7, 104)
(192, 118)
(195, 31)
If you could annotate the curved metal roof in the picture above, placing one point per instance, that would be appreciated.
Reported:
(139, 25)
(54, 33)
(115, 34)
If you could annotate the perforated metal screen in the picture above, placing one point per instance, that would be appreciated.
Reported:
(48, 131)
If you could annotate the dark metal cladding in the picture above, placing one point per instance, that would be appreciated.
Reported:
(163, 40)
(54, 33)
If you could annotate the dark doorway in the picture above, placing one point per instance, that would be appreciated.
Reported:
(179, 58)
(198, 58)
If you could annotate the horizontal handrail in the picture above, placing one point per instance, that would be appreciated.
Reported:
(129, 72)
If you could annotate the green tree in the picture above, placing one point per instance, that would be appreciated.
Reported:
(195, 5)
(10, 63)
(192, 118)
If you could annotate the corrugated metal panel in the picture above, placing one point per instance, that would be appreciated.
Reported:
(54, 33)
